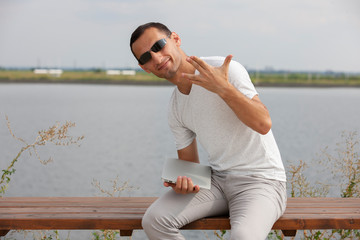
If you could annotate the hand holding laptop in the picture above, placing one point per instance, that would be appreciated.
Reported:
(183, 185)
(186, 177)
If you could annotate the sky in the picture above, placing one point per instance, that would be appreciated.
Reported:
(293, 35)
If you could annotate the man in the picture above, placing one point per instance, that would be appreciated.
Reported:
(215, 103)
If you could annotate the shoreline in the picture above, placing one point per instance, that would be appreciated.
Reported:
(163, 83)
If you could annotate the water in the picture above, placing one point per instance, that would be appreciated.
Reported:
(126, 134)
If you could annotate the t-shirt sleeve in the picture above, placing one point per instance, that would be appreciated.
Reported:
(239, 77)
(182, 135)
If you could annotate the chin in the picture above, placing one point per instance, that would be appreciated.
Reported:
(170, 74)
(166, 73)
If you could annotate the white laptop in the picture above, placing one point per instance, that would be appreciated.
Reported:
(199, 174)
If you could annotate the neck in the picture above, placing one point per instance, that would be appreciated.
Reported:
(183, 84)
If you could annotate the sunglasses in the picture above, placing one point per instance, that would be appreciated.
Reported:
(145, 57)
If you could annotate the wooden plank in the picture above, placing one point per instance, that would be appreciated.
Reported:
(64, 216)
(91, 200)
(72, 224)
(321, 216)
(126, 233)
(64, 204)
(3, 232)
(285, 223)
(76, 210)
(77, 199)
(151, 199)
(315, 211)
(61, 202)
(289, 233)
(126, 214)
(293, 205)
(325, 205)
(121, 214)
(70, 210)
(327, 222)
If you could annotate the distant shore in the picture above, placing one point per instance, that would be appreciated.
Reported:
(165, 83)
(143, 78)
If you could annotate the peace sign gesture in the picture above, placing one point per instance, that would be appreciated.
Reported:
(214, 79)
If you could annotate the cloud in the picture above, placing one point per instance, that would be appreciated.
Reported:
(259, 33)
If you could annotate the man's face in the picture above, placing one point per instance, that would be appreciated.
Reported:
(163, 63)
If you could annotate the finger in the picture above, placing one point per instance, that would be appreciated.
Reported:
(195, 64)
(179, 181)
(188, 76)
(178, 185)
(184, 187)
(195, 79)
(191, 187)
(198, 63)
(192, 77)
(167, 184)
(196, 189)
(227, 61)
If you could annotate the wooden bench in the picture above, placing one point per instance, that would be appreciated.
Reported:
(125, 214)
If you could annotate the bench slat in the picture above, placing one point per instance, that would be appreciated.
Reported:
(125, 213)
(119, 210)
(299, 222)
(73, 210)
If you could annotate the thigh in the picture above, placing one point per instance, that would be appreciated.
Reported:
(255, 205)
(181, 209)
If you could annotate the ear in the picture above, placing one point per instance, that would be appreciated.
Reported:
(176, 38)
(144, 68)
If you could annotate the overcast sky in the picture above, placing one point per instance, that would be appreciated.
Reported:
(282, 34)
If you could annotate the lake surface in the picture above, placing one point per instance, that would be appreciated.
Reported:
(126, 134)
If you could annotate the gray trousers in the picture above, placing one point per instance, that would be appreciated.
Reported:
(254, 204)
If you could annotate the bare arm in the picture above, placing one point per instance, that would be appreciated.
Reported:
(184, 185)
(190, 153)
(251, 112)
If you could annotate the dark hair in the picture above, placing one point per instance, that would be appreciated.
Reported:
(141, 29)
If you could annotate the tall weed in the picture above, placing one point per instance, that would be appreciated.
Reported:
(114, 191)
(344, 165)
(56, 134)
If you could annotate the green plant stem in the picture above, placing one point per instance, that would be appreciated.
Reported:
(10, 170)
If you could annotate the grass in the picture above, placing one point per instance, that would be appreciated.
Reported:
(305, 79)
(95, 76)
(141, 77)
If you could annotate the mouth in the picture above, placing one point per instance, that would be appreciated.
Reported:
(163, 64)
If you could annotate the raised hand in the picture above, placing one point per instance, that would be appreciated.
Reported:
(214, 79)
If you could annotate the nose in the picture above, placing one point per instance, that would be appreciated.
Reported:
(156, 57)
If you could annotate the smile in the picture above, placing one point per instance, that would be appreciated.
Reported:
(163, 64)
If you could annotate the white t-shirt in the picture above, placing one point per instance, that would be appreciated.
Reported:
(232, 146)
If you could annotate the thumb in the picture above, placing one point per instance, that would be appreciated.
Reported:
(227, 61)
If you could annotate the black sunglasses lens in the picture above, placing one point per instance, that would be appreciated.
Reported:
(155, 48)
(158, 45)
(145, 58)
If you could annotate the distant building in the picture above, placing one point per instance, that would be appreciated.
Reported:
(41, 71)
(128, 72)
(113, 72)
(53, 72)
(119, 72)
